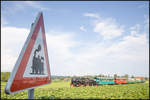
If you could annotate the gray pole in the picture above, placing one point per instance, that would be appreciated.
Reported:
(31, 94)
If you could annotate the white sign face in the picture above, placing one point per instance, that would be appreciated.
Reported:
(36, 66)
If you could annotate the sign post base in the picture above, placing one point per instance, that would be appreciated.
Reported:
(31, 94)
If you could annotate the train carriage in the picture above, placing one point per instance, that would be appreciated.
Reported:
(104, 80)
(120, 80)
(131, 81)
(140, 79)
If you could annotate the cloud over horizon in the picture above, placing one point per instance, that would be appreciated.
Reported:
(131, 52)
(111, 43)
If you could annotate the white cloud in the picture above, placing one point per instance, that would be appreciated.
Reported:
(94, 15)
(60, 44)
(12, 40)
(146, 22)
(68, 56)
(132, 48)
(59, 49)
(108, 28)
(135, 29)
(82, 28)
(7, 61)
(124, 57)
(128, 56)
(3, 21)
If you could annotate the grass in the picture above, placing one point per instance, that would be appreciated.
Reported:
(62, 90)
(57, 84)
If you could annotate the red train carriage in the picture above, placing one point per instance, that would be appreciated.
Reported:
(140, 79)
(120, 81)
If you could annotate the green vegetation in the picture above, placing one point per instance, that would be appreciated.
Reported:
(62, 89)
(5, 76)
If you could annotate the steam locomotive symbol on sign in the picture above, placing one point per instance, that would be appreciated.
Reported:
(37, 62)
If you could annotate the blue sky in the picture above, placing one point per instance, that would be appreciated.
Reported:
(87, 37)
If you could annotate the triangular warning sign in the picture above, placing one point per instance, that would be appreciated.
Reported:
(32, 67)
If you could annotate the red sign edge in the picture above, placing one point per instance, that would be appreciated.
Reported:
(13, 73)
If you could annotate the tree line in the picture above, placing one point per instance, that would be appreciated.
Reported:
(5, 76)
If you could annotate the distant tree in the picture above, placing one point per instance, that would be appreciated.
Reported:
(126, 76)
(115, 75)
(132, 76)
(5, 76)
(74, 76)
(100, 75)
(146, 78)
(103, 75)
(2, 76)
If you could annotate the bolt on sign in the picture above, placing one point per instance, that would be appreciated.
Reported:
(32, 67)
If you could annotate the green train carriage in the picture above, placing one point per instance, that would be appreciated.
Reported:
(104, 80)
(131, 81)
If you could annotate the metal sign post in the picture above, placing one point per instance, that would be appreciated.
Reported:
(31, 94)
